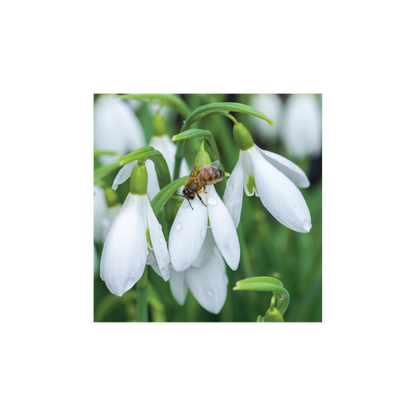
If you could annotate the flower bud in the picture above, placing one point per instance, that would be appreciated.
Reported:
(273, 315)
(138, 180)
(158, 125)
(111, 198)
(202, 158)
(242, 137)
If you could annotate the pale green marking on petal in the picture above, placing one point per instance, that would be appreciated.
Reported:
(149, 241)
(251, 184)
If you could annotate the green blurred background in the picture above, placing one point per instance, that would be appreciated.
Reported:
(267, 247)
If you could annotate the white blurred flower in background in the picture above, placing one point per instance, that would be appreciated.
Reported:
(116, 128)
(104, 215)
(302, 126)
(168, 149)
(271, 106)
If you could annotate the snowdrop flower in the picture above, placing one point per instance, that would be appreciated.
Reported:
(106, 207)
(271, 177)
(116, 127)
(189, 231)
(206, 278)
(161, 142)
(134, 234)
(301, 127)
(270, 104)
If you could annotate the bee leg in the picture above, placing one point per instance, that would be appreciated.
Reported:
(201, 199)
(190, 205)
(205, 190)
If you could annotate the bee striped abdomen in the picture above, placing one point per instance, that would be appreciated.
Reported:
(210, 174)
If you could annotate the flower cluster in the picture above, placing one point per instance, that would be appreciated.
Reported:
(203, 237)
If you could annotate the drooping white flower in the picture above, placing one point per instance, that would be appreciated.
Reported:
(168, 149)
(103, 214)
(189, 231)
(275, 180)
(301, 126)
(270, 104)
(134, 234)
(116, 127)
(208, 283)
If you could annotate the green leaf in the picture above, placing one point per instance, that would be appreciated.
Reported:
(104, 170)
(164, 194)
(221, 109)
(259, 283)
(200, 134)
(167, 100)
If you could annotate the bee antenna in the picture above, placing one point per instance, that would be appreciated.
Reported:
(179, 195)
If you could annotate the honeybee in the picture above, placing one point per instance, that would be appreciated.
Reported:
(200, 178)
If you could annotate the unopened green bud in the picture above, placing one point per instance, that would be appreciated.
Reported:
(273, 315)
(202, 159)
(158, 125)
(242, 137)
(111, 197)
(138, 180)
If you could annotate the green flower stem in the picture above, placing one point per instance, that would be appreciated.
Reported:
(266, 283)
(142, 314)
(178, 159)
(222, 108)
(202, 135)
(135, 153)
(161, 167)
(165, 193)
(103, 171)
(168, 100)
(213, 109)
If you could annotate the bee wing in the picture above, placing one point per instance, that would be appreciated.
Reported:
(193, 171)
(214, 164)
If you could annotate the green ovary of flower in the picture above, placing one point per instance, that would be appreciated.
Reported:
(138, 180)
(242, 137)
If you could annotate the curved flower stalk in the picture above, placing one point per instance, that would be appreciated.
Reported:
(271, 177)
(134, 235)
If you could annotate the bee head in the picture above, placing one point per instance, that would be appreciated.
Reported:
(188, 195)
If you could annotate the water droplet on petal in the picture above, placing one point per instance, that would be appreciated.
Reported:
(212, 200)
(210, 292)
(161, 239)
(179, 226)
(162, 270)
(307, 225)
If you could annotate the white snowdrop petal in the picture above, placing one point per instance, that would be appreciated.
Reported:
(233, 195)
(208, 283)
(279, 195)
(100, 213)
(292, 171)
(116, 127)
(123, 174)
(160, 247)
(188, 233)
(178, 286)
(223, 229)
(125, 249)
(247, 171)
(206, 249)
